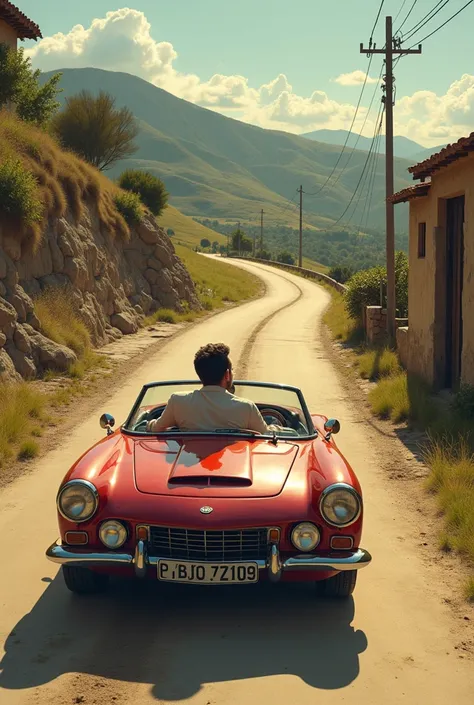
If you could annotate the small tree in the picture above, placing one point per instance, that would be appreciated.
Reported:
(285, 257)
(215, 246)
(19, 85)
(241, 243)
(151, 189)
(205, 243)
(96, 130)
(170, 232)
(341, 274)
(264, 254)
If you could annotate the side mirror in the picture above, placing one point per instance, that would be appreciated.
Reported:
(331, 426)
(107, 421)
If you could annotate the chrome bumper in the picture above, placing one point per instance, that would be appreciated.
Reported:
(343, 560)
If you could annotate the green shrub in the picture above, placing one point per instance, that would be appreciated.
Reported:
(363, 288)
(28, 450)
(130, 207)
(341, 274)
(463, 402)
(19, 195)
(151, 190)
(285, 257)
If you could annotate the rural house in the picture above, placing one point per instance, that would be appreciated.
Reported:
(439, 342)
(14, 25)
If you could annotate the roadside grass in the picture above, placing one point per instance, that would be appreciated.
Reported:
(449, 451)
(21, 409)
(218, 283)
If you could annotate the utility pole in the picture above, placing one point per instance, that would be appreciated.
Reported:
(300, 250)
(392, 48)
(261, 231)
(240, 239)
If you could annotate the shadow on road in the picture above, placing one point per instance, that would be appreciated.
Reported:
(177, 638)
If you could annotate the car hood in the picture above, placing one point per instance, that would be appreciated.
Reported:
(212, 467)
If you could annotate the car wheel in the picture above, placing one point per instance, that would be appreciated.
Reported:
(83, 581)
(340, 585)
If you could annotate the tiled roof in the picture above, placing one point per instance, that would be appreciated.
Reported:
(446, 156)
(25, 28)
(410, 193)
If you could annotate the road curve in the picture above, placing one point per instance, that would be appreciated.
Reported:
(392, 644)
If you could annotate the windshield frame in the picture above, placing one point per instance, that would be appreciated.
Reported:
(312, 432)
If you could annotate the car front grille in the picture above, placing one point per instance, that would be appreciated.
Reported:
(189, 544)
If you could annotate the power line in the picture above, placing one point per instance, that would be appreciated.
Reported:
(375, 23)
(407, 16)
(444, 23)
(424, 20)
(370, 192)
(400, 10)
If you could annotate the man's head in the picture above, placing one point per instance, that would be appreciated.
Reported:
(213, 366)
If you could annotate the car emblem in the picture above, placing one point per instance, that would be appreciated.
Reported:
(206, 510)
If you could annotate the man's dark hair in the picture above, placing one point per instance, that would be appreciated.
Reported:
(211, 362)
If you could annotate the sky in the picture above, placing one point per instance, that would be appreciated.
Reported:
(294, 67)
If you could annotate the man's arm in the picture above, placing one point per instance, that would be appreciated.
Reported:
(166, 420)
(256, 420)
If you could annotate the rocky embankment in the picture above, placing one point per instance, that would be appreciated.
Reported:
(114, 284)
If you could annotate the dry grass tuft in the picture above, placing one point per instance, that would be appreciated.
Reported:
(62, 180)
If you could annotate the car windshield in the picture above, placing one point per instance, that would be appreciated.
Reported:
(281, 406)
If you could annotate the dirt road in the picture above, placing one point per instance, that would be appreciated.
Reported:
(395, 643)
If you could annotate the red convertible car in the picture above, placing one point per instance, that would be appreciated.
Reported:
(216, 508)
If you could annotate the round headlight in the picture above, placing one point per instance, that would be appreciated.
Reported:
(340, 505)
(305, 536)
(113, 534)
(78, 501)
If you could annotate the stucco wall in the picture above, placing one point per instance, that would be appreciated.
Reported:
(426, 285)
(7, 35)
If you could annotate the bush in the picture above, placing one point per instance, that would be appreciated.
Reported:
(151, 189)
(19, 84)
(264, 254)
(130, 207)
(285, 257)
(205, 243)
(363, 288)
(341, 274)
(19, 196)
(170, 232)
(463, 402)
(93, 128)
(60, 321)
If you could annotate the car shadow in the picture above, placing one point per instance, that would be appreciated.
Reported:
(177, 638)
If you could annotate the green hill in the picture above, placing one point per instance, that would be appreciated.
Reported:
(222, 168)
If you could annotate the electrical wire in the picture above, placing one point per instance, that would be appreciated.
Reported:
(361, 176)
(407, 16)
(371, 185)
(400, 11)
(443, 25)
(424, 20)
(375, 23)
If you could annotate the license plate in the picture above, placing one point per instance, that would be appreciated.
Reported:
(207, 573)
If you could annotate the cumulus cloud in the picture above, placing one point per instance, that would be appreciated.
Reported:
(355, 78)
(122, 41)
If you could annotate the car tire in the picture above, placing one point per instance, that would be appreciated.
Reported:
(83, 581)
(340, 585)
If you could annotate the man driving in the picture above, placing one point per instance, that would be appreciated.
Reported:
(213, 406)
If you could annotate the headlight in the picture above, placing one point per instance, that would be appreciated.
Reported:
(305, 536)
(113, 534)
(78, 501)
(340, 505)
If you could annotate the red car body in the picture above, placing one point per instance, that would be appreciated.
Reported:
(165, 488)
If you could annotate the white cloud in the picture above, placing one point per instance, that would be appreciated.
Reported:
(355, 78)
(122, 41)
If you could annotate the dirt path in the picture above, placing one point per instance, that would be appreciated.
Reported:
(396, 642)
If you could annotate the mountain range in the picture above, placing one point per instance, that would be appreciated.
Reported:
(218, 167)
(402, 146)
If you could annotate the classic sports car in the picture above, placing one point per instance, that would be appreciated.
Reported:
(220, 507)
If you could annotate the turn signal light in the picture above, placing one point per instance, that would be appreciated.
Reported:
(76, 538)
(142, 533)
(342, 543)
(274, 535)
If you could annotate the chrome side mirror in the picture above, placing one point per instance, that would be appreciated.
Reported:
(331, 426)
(107, 421)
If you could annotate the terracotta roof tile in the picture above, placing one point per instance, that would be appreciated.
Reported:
(410, 193)
(25, 27)
(446, 156)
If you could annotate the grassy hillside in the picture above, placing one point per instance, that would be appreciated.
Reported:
(187, 231)
(218, 167)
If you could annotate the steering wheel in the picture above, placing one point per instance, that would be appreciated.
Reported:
(280, 419)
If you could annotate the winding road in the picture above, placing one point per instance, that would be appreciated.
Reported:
(392, 644)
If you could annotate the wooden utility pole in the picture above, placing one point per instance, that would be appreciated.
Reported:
(240, 239)
(261, 231)
(300, 249)
(391, 49)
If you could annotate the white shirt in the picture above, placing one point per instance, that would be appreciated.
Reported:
(208, 409)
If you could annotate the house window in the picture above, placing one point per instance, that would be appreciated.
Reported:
(421, 240)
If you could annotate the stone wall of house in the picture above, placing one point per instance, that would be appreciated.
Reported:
(113, 283)
(8, 35)
(403, 345)
(375, 325)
